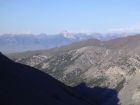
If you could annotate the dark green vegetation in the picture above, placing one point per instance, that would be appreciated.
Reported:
(96, 82)
(120, 85)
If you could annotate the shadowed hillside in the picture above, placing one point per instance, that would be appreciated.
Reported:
(24, 85)
(102, 96)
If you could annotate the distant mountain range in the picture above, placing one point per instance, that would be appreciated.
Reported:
(110, 65)
(10, 43)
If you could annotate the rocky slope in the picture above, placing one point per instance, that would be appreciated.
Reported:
(24, 85)
(114, 64)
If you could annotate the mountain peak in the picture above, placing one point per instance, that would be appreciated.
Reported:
(64, 32)
(67, 35)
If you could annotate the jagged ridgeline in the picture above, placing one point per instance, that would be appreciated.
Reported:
(10, 43)
(110, 65)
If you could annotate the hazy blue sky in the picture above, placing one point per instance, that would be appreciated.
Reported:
(53, 16)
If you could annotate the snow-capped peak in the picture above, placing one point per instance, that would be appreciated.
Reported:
(67, 35)
(64, 32)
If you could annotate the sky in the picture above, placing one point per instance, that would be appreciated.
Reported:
(75, 16)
